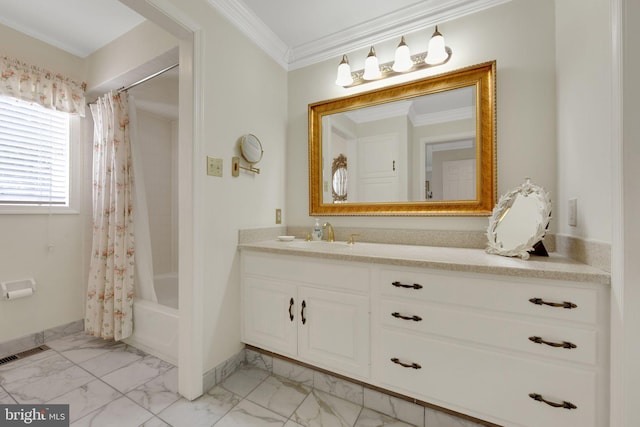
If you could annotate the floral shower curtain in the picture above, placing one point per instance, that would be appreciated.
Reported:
(109, 305)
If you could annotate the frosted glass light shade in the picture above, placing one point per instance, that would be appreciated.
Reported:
(344, 72)
(436, 52)
(403, 60)
(371, 66)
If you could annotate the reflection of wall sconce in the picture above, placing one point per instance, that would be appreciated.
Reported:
(251, 151)
(436, 54)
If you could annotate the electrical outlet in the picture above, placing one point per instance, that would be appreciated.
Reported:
(214, 166)
(278, 216)
(573, 212)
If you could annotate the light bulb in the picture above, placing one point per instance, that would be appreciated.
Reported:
(403, 60)
(436, 52)
(371, 67)
(344, 72)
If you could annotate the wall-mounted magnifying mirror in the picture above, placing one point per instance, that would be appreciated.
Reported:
(340, 179)
(251, 151)
(519, 221)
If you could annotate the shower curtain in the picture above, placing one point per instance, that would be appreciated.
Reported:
(109, 305)
(144, 282)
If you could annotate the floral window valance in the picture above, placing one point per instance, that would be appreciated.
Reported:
(33, 84)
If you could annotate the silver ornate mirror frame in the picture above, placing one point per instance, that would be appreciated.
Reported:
(533, 220)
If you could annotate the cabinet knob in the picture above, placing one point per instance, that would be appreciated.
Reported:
(563, 344)
(564, 304)
(402, 285)
(304, 319)
(564, 404)
(291, 309)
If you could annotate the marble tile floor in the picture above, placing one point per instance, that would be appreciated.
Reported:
(113, 384)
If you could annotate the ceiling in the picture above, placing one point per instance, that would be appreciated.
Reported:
(295, 33)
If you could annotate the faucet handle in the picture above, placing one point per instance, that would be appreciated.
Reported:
(352, 239)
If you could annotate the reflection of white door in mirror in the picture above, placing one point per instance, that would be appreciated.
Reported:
(378, 169)
(519, 221)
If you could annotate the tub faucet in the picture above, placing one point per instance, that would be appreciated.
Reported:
(330, 235)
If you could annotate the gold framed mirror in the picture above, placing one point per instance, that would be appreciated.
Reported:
(425, 147)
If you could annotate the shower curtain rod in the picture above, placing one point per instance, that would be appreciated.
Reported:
(139, 82)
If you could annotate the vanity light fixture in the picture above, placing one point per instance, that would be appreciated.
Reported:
(403, 60)
(371, 66)
(436, 51)
(344, 72)
(437, 54)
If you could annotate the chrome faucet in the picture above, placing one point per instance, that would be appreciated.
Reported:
(330, 235)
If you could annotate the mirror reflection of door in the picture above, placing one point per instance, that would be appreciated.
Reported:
(378, 169)
(450, 168)
(396, 148)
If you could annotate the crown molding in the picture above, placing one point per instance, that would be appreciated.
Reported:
(253, 27)
(360, 36)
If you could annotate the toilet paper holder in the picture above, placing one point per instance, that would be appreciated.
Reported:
(19, 288)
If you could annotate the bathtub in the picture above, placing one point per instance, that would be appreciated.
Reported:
(155, 326)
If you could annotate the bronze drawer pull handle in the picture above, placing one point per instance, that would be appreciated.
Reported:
(406, 365)
(563, 344)
(402, 285)
(400, 316)
(564, 404)
(564, 304)
(290, 309)
(304, 319)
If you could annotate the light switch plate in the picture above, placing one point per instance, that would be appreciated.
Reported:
(214, 166)
(278, 216)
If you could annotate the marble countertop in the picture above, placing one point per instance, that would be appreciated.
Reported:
(454, 259)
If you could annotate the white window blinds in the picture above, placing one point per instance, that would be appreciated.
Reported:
(34, 154)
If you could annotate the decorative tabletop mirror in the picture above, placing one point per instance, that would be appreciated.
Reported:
(339, 179)
(519, 221)
(251, 151)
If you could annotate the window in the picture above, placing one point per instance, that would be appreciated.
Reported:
(34, 155)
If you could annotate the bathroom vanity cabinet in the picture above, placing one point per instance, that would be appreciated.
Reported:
(310, 310)
(494, 338)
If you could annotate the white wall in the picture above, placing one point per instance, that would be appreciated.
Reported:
(583, 76)
(520, 36)
(25, 238)
(243, 91)
(156, 150)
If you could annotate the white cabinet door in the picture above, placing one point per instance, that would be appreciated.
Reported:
(270, 315)
(333, 331)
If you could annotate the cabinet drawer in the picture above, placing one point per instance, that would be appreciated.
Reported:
(500, 293)
(491, 329)
(485, 384)
(313, 271)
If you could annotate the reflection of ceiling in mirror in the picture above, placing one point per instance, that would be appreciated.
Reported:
(448, 106)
